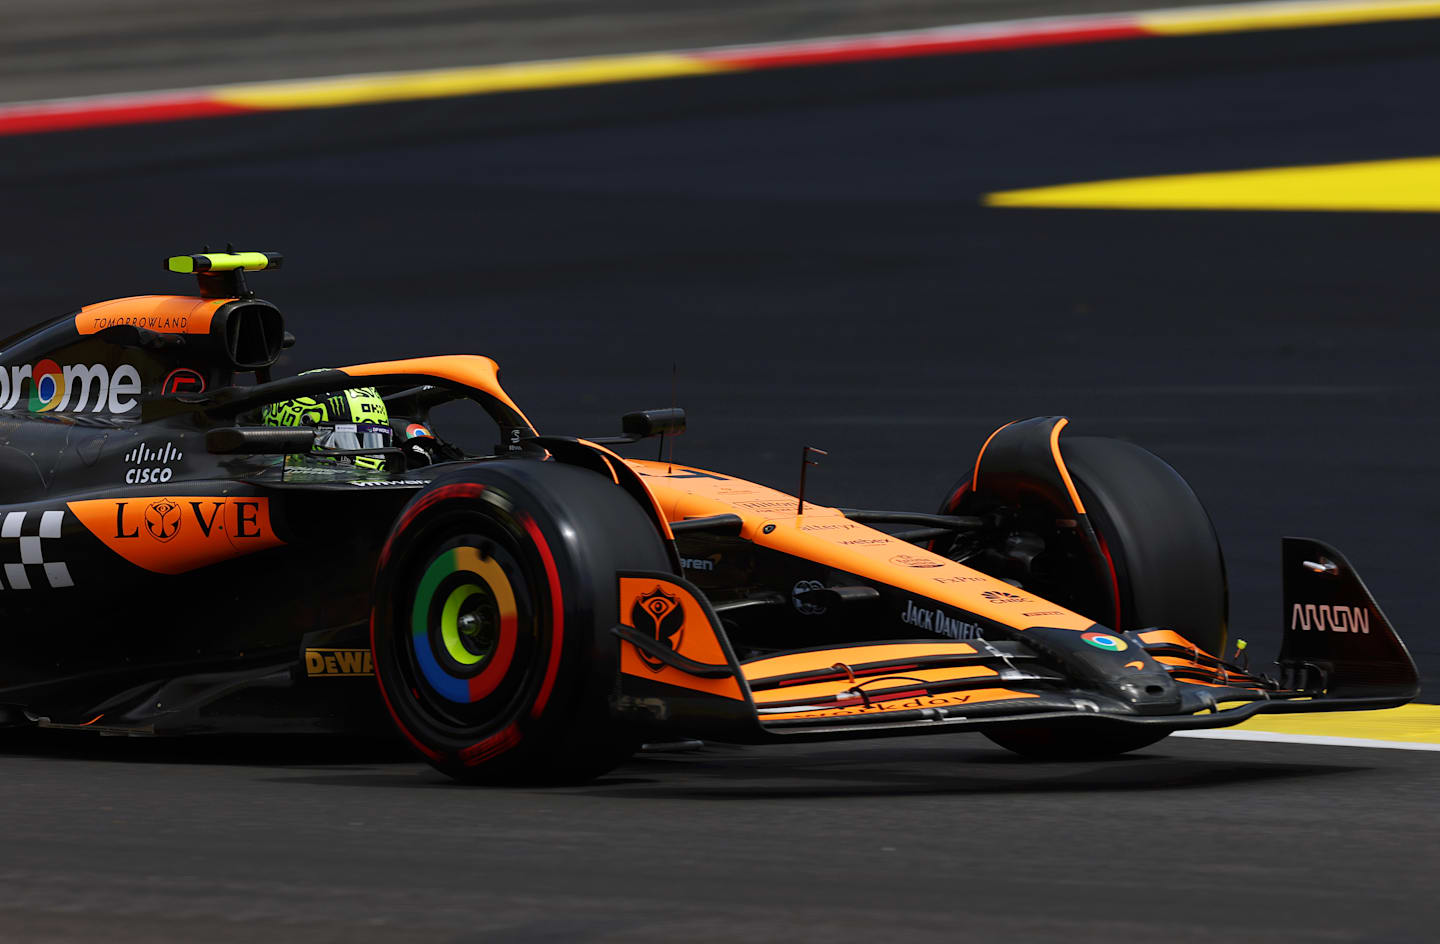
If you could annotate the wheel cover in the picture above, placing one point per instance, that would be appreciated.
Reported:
(464, 625)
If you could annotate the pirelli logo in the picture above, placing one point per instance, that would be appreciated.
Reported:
(352, 662)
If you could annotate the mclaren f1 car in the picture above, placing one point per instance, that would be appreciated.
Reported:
(537, 606)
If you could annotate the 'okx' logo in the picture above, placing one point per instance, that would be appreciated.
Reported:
(661, 615)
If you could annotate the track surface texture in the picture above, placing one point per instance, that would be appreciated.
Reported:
(809, 247)
(931, 838)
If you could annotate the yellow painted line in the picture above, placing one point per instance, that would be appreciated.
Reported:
(338, 91)
(1409, 728)
(1245, 17)
(1408, 185)
(1416, 724)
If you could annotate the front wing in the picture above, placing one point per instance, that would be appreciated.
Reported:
(678, 672)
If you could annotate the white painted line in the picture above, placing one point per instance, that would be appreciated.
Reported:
(1320, 739)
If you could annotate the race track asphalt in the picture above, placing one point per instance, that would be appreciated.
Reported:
(808, 247)
(938, 838)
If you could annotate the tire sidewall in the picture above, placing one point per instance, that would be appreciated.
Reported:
(1158, 537)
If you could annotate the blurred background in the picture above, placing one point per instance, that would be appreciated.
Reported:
(88, 47)
(813, 251)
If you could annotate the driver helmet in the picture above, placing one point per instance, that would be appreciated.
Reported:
(355, 418)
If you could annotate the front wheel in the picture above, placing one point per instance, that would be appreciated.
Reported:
(495, 594)
(1158, 562)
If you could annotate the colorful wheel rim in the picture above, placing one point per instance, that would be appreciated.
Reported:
(463, 625)
(1106, 642)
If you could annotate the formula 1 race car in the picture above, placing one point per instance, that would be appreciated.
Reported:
(177, 561)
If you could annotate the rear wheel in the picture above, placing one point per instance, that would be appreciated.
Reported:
(1159, 565)
(490, 628)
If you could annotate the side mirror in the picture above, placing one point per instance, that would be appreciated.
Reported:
(259, 441)
(642, 424)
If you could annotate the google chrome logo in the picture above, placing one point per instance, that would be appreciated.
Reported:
(1106, 642)
(47, 387)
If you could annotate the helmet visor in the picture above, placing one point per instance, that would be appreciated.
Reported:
(352, 437)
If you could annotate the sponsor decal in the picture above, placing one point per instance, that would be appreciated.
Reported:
(936, 620)
(909, 704)
(162, 519)
(391, 483)
(955, 579)
(168, 324)
(1001, 596)
(352, 662)
(661, 615)
(175, 534)
(786, 507)
(1321, 618)
(675, 618)
(71, 388)
(839, 526)
(151, 465)
(693, 474)
(31, 535)
(183, 380)
(416, 429)
(47, 386)
(684, 473)
(803, 608)
(1106, 642)
(866, 541)
(1137, 665)
(697, 563)
(1044, 613)
(911, 560)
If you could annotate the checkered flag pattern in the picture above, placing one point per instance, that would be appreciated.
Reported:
(28, 535)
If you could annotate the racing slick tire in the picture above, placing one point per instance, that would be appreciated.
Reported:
(494, 597)
(1163, 560)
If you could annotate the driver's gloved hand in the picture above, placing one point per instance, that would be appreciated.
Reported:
(419, 451)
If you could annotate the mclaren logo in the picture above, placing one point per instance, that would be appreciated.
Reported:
(658, 614)
(1334, 619)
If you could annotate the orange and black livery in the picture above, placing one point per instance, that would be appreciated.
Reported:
(518, 604)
